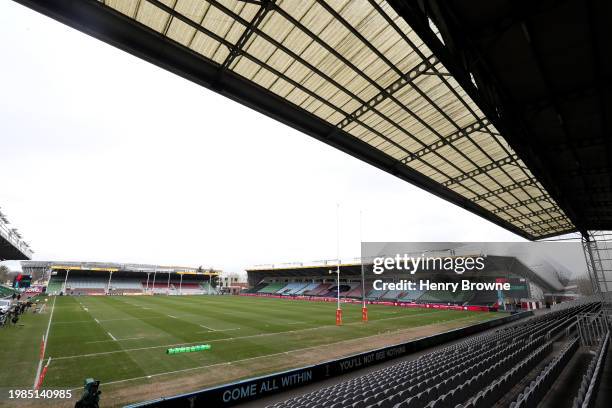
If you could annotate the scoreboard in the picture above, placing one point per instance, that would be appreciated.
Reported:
(22, 281)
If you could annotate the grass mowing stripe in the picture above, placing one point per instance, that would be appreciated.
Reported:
(242, 360)
(237, 338)
(259, 328)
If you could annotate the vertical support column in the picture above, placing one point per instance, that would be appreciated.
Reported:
(108, 286)
(591, 265)
(65, 281)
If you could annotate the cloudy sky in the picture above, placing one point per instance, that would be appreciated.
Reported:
(105, 157)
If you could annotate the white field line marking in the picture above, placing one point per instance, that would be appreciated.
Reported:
(242, 337)
(174, 317)
(249, 359)
(218, 330)
(40, 363)
(97, 321)
(112, 337)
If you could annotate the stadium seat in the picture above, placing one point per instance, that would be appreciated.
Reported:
(473, 373)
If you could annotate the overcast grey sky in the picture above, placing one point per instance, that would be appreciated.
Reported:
(105, 157)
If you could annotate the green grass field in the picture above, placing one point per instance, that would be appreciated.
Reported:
(122, 340)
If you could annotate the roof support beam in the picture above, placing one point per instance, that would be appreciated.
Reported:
(505, 189)
(400, 83)
(533, 200)
(481, 170)
(247, 33)
(537, 213)
(448, 140)
(548, 221)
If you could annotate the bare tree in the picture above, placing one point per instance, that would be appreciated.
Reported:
(4, 273)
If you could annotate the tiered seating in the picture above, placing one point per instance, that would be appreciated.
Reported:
(392, 295)
(306, 288)
(375, 294)
(592, 377)
(5, 291)
(474, 373)
(87, 291)
(207, 288)
(128, 285)
(271, 288)
(356, 292)
(535, 391)
(160, 288)
(86, 286)
(318, 290)
(54, 286)
(254, 289)
(344, 288)
(292, 288)
(485, 298)
(412, 295)
(157, 285)
(189, 288)
(444, 296)
(88, 283)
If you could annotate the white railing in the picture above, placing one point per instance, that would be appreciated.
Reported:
(12, 237)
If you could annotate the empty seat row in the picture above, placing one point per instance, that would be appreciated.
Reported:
(475, 372)
(592, 377)
(535, 391)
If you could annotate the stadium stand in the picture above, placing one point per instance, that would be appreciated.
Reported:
(412, 295)
(392, 295)
(356, 292)
(318, 290)
(344, 289)
(375, 294)
(54, 286)
(474, 373)
(271, 288)
(306, 288)
(444, 296)
(485, 298)
(208, 288)
(592, 377)
(127, 284)
(255, 288)
(6, 291)
(291, 288)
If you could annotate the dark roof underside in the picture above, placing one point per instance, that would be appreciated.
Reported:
(370, 78)
(546, 66)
